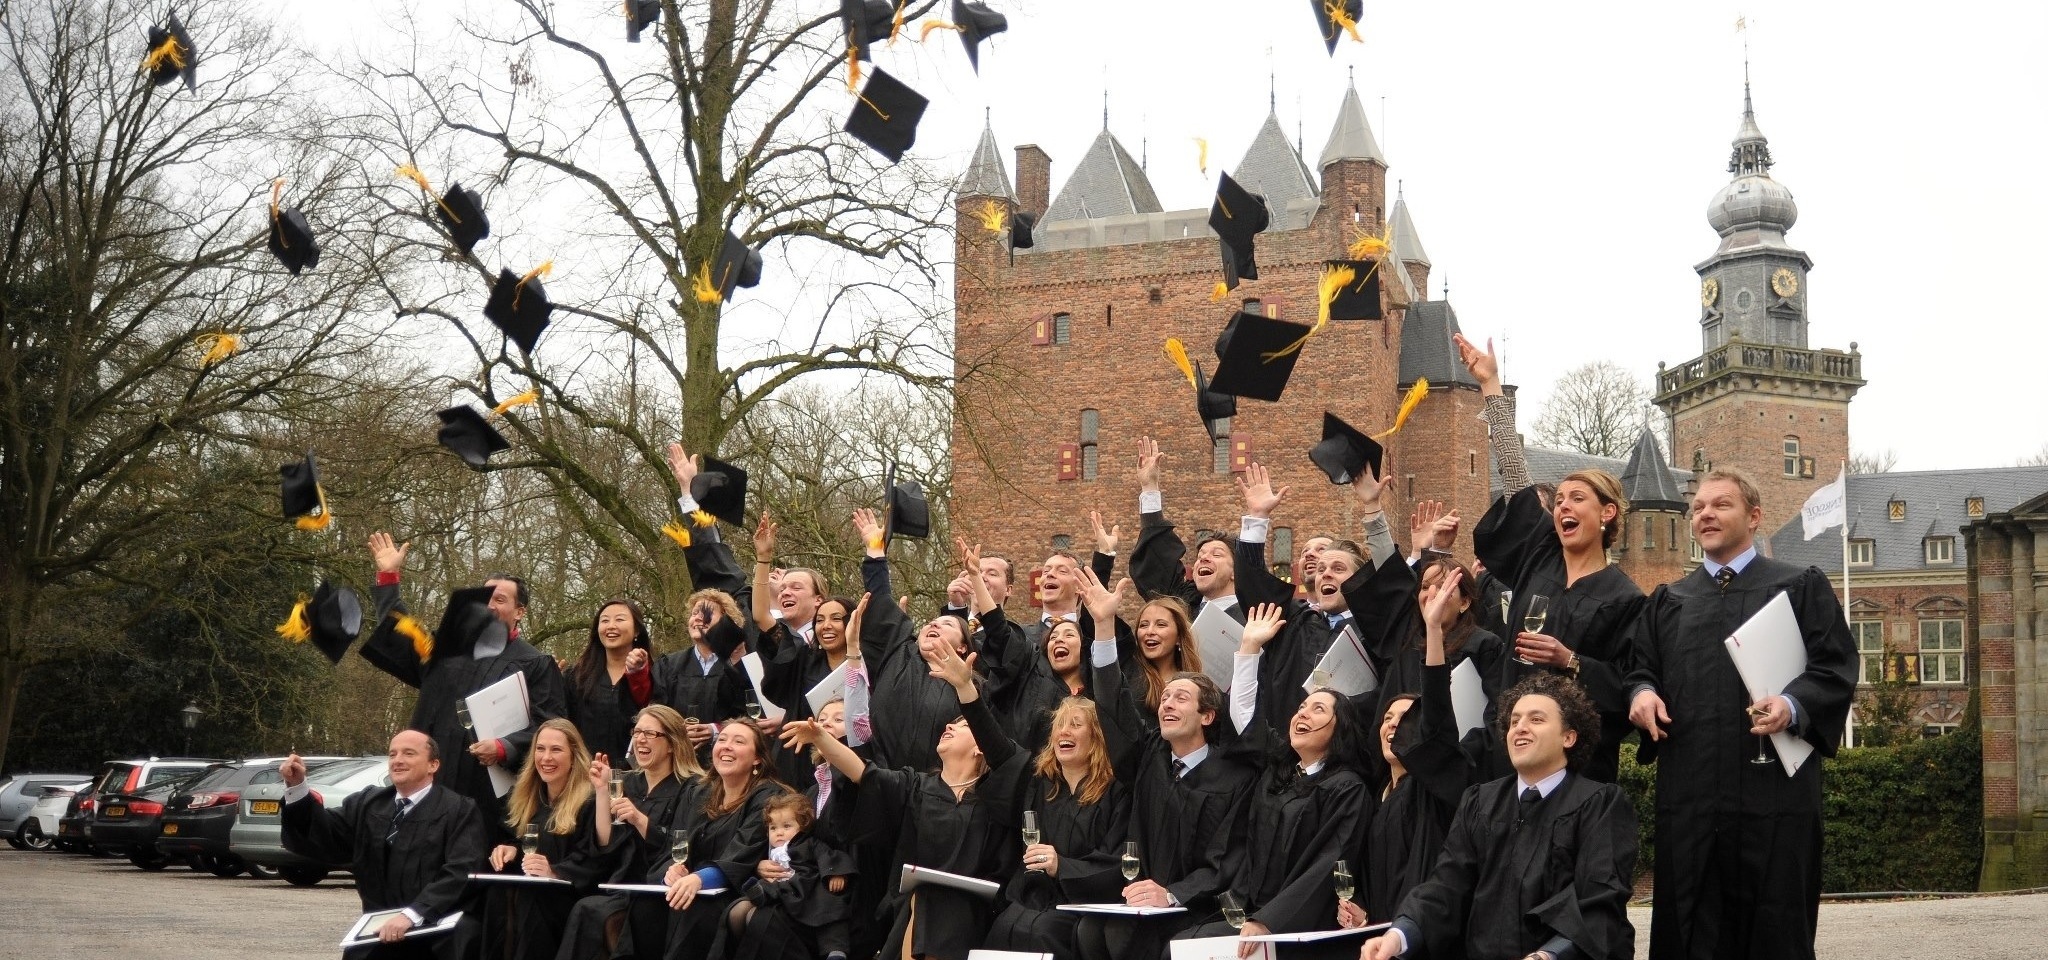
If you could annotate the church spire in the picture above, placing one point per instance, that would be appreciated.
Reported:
(1752, 154)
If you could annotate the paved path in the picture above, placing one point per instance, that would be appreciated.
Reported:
(56, 906)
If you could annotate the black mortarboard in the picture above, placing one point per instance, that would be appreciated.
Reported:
(462, 212)
(1211, 405)
(465, 621)
(300, 486)
(720, 490)
(1359, 299)
(641, 14)
(867, 22)
(1345, 454)
(1242, 368)
(337, 617)
(470, 435)
(520, 307)
(977, 23)
(166, 60)
(1333, 28)
(910, 514)
(886, 114)
(292, 243)
(1021, 225)
(1237, 216)
(738, 266)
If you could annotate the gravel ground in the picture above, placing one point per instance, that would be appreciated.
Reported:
(60, 906)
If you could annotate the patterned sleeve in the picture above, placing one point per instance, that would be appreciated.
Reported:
(1507, 444)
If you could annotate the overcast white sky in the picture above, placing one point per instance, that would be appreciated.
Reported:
(1559, 158)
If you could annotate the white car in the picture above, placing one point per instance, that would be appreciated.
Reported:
(38, 829)
(257, 834)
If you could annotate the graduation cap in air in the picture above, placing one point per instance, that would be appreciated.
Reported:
(1336, 18)
(1237, 216)
(1209, 405)
(720, 490)
(1356, 297)
(462, 212)
(641, 14)
(337, 617)
(465, 431)
(885, 115)
(291, 240)
(977, 23)
(867, 22)
(302, 495)
(172, 55)
(910, 514)
(519, 306)
(738, 266)
(1021, 225)
(1255, 355)
(400, 644)
(1345, 453)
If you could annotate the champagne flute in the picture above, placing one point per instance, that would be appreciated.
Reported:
(618, 782)
(462, 717)
(1761, 757)
(755, 712)
(1341, 878)
(1233, 910)
(529, 839)
(1031, 833)
(679, 849)
(1507, 603)
(1130, 860)
(1534, 616)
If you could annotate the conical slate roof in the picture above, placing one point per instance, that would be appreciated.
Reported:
(1646, 480)
(1272, 168)
(1107, 183)
(986, 176)
(1350, 137)
(1407, 242)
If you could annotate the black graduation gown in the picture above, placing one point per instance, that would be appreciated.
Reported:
(734, 842)
(1089, 840)
(839, 825)
(1407, 831)
(799, 918)
(681, 682)
(1158, 568)
(603, 713)
(908, 707)
(443, 681)
(1517, 541)
(974, 835)
(1504, 888)
(526, 922)
(425, 867)
(1738, 844)
(627, 859)
(1296, 829)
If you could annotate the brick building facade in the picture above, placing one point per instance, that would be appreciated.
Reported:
(2008, 596)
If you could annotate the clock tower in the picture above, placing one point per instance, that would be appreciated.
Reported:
(1758, 398)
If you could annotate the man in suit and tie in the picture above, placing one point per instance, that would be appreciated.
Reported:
(410, 845)
(1156, 566)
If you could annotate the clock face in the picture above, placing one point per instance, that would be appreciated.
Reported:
(1785, 282)
(1710, 291)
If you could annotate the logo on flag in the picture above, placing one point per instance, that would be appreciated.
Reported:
(1828, 507)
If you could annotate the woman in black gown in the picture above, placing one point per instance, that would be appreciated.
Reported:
(610, 681)
(962, 819)
(553, 798)
(1558, 551)
(722, 820)
(664, 769)
(1081, 812)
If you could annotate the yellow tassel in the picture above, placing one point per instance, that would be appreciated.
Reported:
(218, 347)
(925, 32)
(1178, 353)
(413, 173)
(852, 67)
(1220, 291)
(1202, 154)
(277, 194)
(170, 50)
(1408, 405)
(321, 517)
(678, 532)
(1365, 246)
(1334, 279)
(993, 216)
(297, 628)
(896, 26)
(422, 641)
(707, 292)
(702, 518)
(1334, 10)
(524, 399)
(544, 269)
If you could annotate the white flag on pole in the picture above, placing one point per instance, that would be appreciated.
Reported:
(1828, 507)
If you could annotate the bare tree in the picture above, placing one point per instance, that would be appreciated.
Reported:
(132, 262)
(1599, 408)
(1882, 461)
(2038, 458)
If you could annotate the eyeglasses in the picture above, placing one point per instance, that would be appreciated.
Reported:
(647, 734)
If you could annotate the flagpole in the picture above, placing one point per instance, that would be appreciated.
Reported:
(1846, 615)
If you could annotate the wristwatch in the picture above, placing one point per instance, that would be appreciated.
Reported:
(1572, 666)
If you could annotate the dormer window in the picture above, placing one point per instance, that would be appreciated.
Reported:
(1862, 552)
(1940, 549)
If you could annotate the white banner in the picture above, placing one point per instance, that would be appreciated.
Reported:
(1828, 507)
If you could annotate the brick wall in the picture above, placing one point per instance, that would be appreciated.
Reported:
(1747, 430)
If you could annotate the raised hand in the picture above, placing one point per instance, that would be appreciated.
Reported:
(1443, 531)
(1261, 624)
(1105, 540)
(1148, 463)
(292, 771)
(1484, 365)
(1440, 611)
(1257, 487)
(682, 465)
(970, 555)
(764, 539)
(853, 626)
(389, 558)
(947, 665)
(961, 591)
(601, 775)
(870, 529)
(1101, 602)
(798, 734)
(1370, 489)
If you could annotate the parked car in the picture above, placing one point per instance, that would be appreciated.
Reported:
(195, 822)
(128, 803)
(75, 826)
(38, 830)
(20, 792)
(257, 835)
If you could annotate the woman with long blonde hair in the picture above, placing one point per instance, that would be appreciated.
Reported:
(1080, 809)
(552, 810)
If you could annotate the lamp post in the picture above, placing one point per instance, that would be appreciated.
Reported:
(192, 713)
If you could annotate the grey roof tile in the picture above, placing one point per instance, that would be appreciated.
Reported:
(1350, 137)
(1108, 182)
(1272, 168)
(1935, 506)
(1550, 466)
(1407, 241)
(1648, 480)
(986, 176)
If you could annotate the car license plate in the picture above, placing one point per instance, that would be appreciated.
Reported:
(170, 829)
(116, 813)
(266, 808)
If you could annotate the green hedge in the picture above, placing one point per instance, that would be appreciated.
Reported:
(1909, 817)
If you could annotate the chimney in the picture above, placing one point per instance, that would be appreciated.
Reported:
(1034, 179)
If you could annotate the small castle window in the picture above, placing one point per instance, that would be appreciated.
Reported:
(1219, 448)
(1941, 549)
(1062, 328)
(1091, 425)
(1062, 541)
(1862, 552)
(1791, 456)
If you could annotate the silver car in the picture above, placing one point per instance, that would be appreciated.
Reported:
(257, 834)
(38, 830)
(20, 792)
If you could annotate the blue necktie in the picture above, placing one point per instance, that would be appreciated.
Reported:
(397, 818)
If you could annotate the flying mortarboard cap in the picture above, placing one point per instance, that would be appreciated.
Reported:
(641, 14)
(867, 22)
(738, 266)
(1360, 298)
(1210, 405)
(519, 306)
(977, 23)
(720, 490)
(1021, 225)
(1243, 368)
(292, 242)
(301, 494)
(462, 212)
(466, 620)
(337, 617)
(1337, 17)
(910, 514)
(172, 55)
(1345, 453)
(472, 437)
(1237, 216)
(885, 115)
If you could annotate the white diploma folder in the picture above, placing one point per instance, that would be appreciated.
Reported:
(1468, 697)
(500, 710)
(1216, 635)
(1770, 652)
(1315, 935)
(364, 930)
(833, 687)
(1119, 909)
(755, 671)
(1344, 668)
(916, 876)
(1214, 948)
